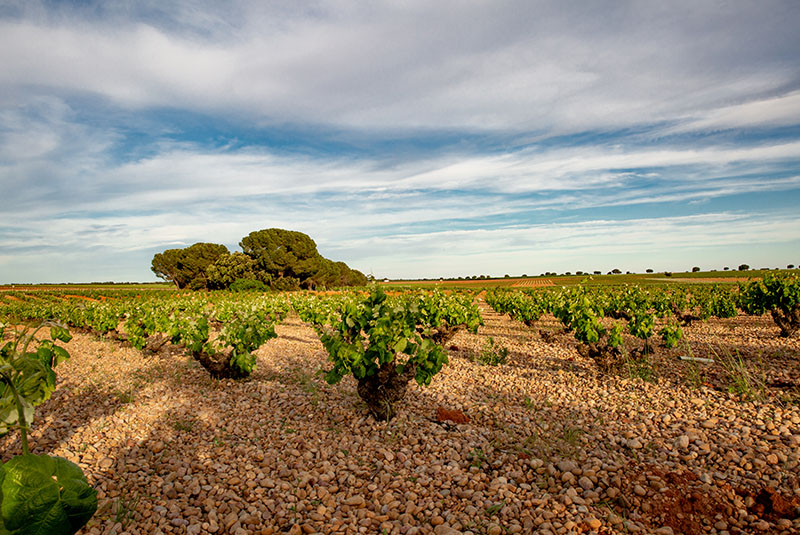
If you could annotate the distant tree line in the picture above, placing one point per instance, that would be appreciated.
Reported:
(271, 259)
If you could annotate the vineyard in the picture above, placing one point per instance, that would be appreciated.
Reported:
(613, 409)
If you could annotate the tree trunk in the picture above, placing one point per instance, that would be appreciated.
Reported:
(384, 389)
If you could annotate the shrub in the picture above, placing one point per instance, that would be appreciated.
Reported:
(777, 294)
(385, 343)
(244, 285)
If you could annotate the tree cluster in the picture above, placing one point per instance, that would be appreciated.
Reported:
(271, 258)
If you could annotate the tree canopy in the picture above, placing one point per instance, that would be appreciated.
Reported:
(281, 259)
(282, 253)
(187, 267)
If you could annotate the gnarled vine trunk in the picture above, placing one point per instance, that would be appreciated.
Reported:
(686, 319)
(218, 365)
(606, 357)
(384, 389)
(444, 334)
(789, 322)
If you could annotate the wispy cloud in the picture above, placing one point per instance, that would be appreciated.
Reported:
(782, 110)
(513, 65)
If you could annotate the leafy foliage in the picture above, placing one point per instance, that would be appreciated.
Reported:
(777, 294)
(187, 267)
(27, 378)
(285, 260)
(385, 342)
(229, 269)
(39, 494)
(282, 253)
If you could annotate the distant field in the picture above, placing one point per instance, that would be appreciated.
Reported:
(89, 286)
(659, 278)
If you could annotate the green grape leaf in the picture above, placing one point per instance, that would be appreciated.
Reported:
(9, 416)
(43, 495)
(60, 333)
(400, 346)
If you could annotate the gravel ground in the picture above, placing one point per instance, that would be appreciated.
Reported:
(546, 443)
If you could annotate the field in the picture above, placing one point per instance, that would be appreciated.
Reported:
(544, 442)
(657, 279)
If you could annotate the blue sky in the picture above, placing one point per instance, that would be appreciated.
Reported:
(409, 139)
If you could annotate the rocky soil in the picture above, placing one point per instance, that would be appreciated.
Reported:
(543, 444)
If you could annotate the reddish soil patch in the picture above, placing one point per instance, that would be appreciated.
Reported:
(455, 416)
(687, 504)
(771, 505)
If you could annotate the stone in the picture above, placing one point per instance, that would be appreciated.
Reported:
(710, 423)
(593, 523)
(355, 501)
(567, 466)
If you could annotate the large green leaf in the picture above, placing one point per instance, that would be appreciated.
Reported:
(9, 415)
(43, 495)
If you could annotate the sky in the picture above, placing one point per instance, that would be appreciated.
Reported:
(408, 139)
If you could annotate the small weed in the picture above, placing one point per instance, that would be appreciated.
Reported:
(492, 354)
(124, 396)
(749, 382)
(183, 425)
(476, 457)
(694, 375)
(641, 368)
(528, 402)
(494, 509)
(125, 508)
(218, 441)
(572, 436)
(308, 384)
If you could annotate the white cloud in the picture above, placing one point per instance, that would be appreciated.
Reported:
(672, 243)
(783, 110)
(514, 66)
